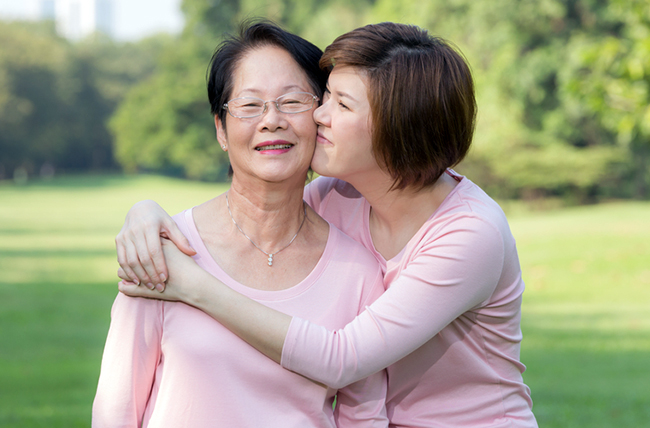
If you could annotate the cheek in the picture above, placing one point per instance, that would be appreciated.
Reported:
(307, 129)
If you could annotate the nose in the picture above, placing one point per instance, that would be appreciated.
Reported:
(320, 115)
(272, 118)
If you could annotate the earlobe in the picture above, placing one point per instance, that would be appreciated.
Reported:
(221, 133)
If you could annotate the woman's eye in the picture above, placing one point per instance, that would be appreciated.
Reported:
(343, 106)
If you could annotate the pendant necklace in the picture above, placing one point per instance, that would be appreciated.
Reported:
(270, 255)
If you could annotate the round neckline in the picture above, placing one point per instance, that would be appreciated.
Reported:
(210, 264)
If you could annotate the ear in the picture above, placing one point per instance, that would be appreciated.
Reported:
(222, 138)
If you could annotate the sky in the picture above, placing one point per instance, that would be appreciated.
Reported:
(132, 19)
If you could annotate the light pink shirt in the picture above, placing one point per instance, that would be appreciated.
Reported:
(448, 326)
(167, 364)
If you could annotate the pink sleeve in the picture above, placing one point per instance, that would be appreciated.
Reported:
(452, 272)
(316, 190)
(363, 403)
(131, 355)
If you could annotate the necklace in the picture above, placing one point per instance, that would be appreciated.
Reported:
(270, 255)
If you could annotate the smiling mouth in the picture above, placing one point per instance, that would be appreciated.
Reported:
(274, 147)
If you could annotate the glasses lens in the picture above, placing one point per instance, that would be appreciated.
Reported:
(295, 102)
(246, 107)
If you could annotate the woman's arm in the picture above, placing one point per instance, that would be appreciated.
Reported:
(129, 363)
(138, 244)
(453, 273)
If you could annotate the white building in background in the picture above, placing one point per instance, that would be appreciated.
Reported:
(122, 20)
(44, 10)
(76, 19)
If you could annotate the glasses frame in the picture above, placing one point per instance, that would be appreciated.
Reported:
(275, 101)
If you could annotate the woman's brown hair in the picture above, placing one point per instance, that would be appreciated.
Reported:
(421, 96)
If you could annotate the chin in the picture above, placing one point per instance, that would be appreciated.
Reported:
(319, 164)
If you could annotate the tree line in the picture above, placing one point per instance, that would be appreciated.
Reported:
(563, 89)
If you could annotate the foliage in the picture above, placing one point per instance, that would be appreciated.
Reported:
(164, 123)
(563, 89)
(584, 320)
(609, 79)
(55, 98)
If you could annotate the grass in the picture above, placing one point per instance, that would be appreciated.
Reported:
(58, 282)
(585, 317)
(586, 313)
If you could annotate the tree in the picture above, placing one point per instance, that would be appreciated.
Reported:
(56, 97)
(609, 79)
(33, 96)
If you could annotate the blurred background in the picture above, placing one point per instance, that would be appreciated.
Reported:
(102, 104)
(563, 85)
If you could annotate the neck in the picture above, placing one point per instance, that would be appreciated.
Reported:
(270, 215)
(397, 215)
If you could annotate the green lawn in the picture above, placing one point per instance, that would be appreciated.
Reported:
(586, 315)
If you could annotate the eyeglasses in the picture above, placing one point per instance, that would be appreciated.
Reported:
(291, 103)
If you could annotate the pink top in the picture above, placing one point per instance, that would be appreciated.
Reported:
(167, 364)
(447, 327)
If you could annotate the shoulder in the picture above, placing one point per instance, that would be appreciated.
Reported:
(468, 223)
(183, 219)
(469, 205)
(320, 188)
(348, 249)
(337, 202)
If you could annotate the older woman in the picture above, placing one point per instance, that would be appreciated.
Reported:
(167, 363)
(398, 113)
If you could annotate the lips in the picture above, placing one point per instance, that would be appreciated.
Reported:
(321, 139)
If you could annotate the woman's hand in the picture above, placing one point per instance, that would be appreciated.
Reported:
(185, 278)
(139, 251)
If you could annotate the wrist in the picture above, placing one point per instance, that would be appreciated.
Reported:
(197, 295)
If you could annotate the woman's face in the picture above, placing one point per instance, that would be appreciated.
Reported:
(274, 146)
(344, 142)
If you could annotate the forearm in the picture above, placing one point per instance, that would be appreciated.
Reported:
(435, 288)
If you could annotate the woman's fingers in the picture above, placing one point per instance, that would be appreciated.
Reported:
(134, 290)
(151, 258)
(156, 265)
(127, 257)
(123, 262)
(124, 276)
(174, 234)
